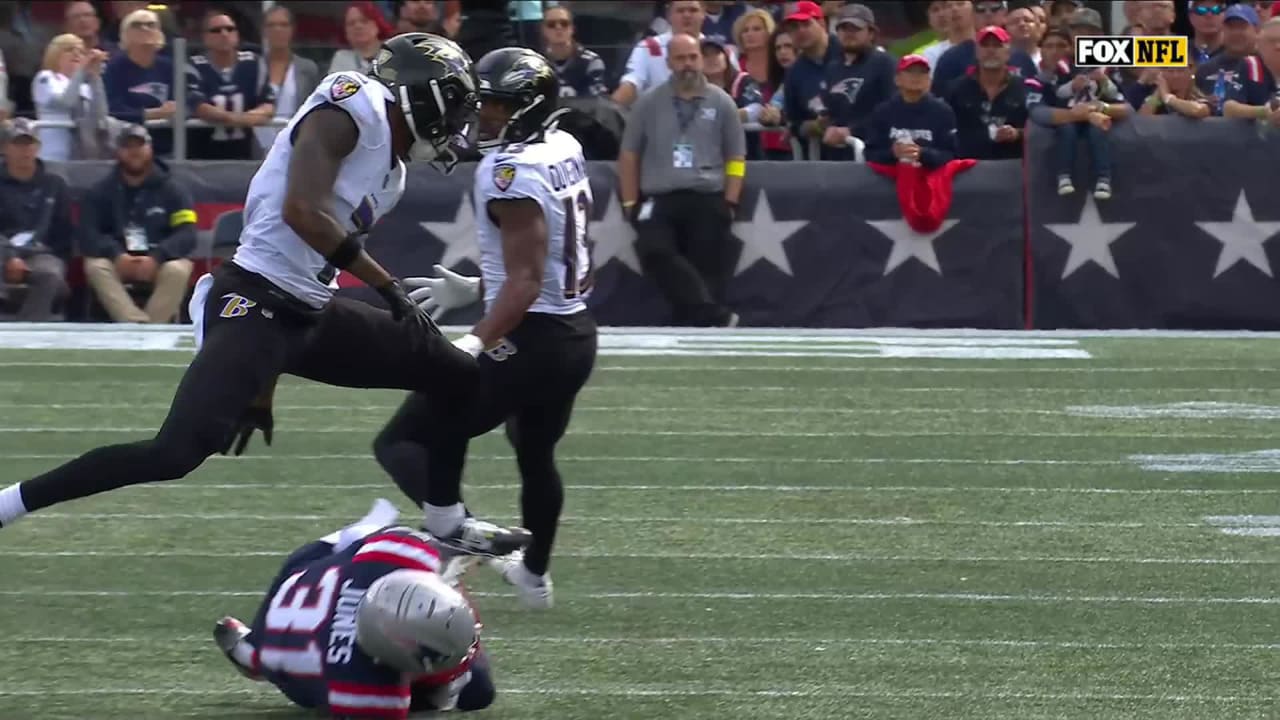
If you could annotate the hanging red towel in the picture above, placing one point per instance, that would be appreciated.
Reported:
(923, 194)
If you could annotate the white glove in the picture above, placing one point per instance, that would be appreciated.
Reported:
(439, 295)
(470, 344)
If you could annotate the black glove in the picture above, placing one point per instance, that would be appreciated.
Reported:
(404, 309)
(254, 418)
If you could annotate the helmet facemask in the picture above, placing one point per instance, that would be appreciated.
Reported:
(440, 144)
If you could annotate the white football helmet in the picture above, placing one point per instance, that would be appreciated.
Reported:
(414, 622)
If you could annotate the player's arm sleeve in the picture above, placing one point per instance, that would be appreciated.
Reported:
(181, 238)
(360, 700)
(401, 548)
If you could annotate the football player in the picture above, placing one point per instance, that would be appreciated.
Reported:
(360, 624)
(537, 341)
(334, 170)
(232, 91)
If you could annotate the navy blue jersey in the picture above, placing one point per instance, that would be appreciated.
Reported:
(305, 632)
(852, 91)
(241, 87)
(582, 74)
(1253, 84)
(976, 113)
(929, 123)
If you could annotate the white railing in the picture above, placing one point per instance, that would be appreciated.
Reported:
(181, 120)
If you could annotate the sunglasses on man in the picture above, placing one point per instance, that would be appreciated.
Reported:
(1208, 10)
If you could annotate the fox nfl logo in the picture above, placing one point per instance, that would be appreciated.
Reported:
(1097, 51)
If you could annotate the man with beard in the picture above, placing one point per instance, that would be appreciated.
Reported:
(680, 175)
(855, 85)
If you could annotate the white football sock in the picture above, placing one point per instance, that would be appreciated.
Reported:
(442, 521)
(11, 506)
(242, 653)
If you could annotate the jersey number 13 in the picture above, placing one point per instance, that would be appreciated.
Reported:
(577, 215)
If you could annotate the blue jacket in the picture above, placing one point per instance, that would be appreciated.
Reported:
(802, 88)
(929, 123)
(852, 91)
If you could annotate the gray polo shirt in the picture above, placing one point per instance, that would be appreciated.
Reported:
(660, 122)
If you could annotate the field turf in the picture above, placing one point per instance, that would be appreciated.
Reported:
(894, 527)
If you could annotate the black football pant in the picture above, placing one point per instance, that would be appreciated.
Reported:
(531, 385)
(686, 248)
(253, 333)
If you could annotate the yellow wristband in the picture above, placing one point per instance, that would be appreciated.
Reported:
(735, 168)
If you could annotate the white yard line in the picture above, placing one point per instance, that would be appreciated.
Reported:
(719, 460)
(612, 409)
(981, 598)
(626, 691)
(348, 429)
(709, 557)
(660, 641)
(666, 520)
(711, 367)
(791, 390)
(904, 489)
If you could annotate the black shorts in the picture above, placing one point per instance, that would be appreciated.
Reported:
(530, 382)
(254, 332)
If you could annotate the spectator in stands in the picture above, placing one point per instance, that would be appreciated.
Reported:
(82, 21)
(647, 66)
(854, 85)
(1041, 26)
(35, 224)
(21, 55)
(1157, 17)
(418, 16)
(816, 49)
(1239, 40)
(1076, 103)
(139, 80)
(776, 144)
(292, 77)
(1206, 26)
(1061, 10)
(957, 60)
(680, 176)
(230, 89)
(913, 126)
(581, 71)
(364, 29)
(752, 35)
(718, 19)
(739, 85)
(938, 13)
(1176, 94)
(138, 226)
(1023, 35)
(990, 105)
(119, 10)
(69, 90)
(1254, 94)
(957, 18)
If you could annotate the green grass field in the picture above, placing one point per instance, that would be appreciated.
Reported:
(856, 533)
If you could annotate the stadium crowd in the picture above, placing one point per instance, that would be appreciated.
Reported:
(831, 81)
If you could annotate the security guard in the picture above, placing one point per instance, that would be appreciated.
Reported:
(680, 175)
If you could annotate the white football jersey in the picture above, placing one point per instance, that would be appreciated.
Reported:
(368, 186)
(554, 174)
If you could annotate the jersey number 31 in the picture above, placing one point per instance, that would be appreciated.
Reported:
(577, 215)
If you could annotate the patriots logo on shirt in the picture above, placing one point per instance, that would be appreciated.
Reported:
(159, 91)
(343, 87)
(848, 87)
(503, 176)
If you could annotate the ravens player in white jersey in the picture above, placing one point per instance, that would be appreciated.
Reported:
(335, 169)
(537, 341)
(364, 623)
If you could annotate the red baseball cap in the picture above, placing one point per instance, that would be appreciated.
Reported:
(806, 11)
(993, 31)
(909, 61)
(1275, 9)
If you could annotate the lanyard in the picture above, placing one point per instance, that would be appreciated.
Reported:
(685, 119)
